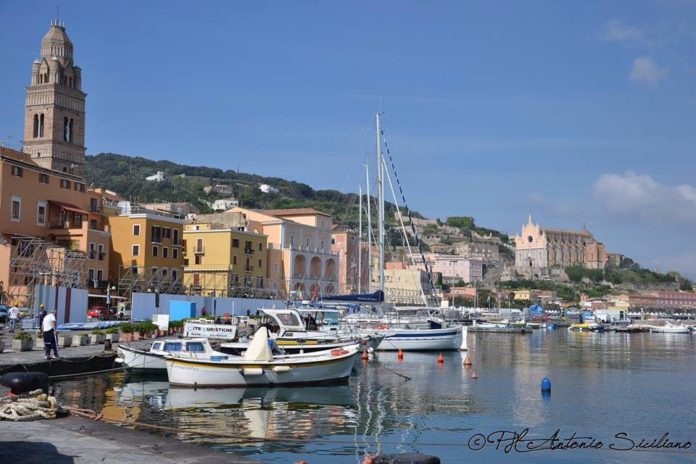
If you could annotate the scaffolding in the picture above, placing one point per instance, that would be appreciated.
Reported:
(34, 261)
(141, 279)
(223, 284)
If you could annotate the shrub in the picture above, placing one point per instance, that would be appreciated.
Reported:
(23, 336)
(98, 332)
(175, 324)
(111, 330)
(127, 328)
(145, 327)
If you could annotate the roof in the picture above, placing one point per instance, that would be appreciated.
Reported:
(68, 206)
(56, 33)
(293, 212)
(567, 231)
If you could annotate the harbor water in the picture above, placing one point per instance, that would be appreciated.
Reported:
(609, 390)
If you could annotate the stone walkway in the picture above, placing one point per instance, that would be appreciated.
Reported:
(75, 440)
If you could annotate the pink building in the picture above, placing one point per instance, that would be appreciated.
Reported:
(455, 268)
(346, 245)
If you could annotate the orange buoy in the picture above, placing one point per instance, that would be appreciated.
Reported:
(400, 354)
(440, 359)
(467, 360)
(368, 458)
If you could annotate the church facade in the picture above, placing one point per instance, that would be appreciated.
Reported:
(539, 249)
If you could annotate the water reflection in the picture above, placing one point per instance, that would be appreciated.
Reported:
(602, 384)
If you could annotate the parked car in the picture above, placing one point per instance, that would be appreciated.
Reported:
(101, 312)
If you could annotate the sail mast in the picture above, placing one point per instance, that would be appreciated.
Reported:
(360, 239)
(380, 203)
(369, 230)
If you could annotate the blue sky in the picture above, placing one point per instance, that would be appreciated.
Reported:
(573, 111)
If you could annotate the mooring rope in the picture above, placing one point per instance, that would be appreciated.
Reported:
(30, 406)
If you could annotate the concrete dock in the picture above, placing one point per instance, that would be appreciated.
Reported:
(83, 441)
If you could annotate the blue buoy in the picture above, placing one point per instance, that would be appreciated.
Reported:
(545, 385)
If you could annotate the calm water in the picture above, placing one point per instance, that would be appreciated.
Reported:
(603, 384)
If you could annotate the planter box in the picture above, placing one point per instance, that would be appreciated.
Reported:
(114, 337)
(97, 339)
(126, 336)
(136, 336)
(22, 345)
(79, 340)
(64, 341)
(39, 344)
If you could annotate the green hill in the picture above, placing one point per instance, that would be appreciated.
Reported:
(126, 176)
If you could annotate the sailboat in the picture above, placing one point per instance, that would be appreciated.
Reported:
(401, 332)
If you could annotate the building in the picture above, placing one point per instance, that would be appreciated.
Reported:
(221, 260)
(454, 268)
(265, 188)
(300, 260)
(486, 252)
(224, 204)
(219, 188)
(351, 279)
(405, 285)
(146, 249)
(180, 208)
(534, 296)
(660, 300)
(539, 249)
(156, 177)
(54, 112)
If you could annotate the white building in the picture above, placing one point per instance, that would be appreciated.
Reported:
(265, 188)
(159, 177)
(224, 204)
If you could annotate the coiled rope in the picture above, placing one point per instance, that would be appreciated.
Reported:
(29, 406)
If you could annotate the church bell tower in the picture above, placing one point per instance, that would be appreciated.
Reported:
(54, 111)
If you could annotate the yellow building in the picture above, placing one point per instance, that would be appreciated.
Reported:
(224, 261)
(146, 250)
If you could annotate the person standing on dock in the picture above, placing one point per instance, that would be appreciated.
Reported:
(50, 334)
(12, 316)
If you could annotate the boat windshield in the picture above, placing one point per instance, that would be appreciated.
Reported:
(157, 346)
(172, 346)
(288, 319)
(195, 347)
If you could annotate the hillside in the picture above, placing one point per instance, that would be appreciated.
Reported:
(126, 176)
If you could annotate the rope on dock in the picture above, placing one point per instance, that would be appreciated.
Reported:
(30, 406)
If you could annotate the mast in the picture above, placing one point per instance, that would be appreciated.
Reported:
(380, 202)
(360, 240)
(369, 231)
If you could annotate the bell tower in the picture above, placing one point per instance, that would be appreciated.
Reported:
(54, 111)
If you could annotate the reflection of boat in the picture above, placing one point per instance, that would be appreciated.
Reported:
(670, 328)
(259, 367)
(153, 359)
(586, 327)
(339, 395)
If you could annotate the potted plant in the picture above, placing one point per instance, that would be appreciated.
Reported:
(126, 331)
(80, 339)
(112, 334)
(97, 337)
(146, 328)
(22, 341)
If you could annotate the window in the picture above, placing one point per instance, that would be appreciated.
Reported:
(275, 267)
(235, 243)
(16, 208)
(165, 252)
(36, 126)
(136, 229)
(41, 214)
(17, 171)
(41, 119)
(175, 253)
(93, 224)
(199, 245)
(43, 178)
(79, 187)
(174, 273)
(165, 272)
(77, 220)
(90, 275)
(198, 259)
(154, 272)
(166, 232)
(101, 252)
(176, 237)
(94, 205)
(136, 250)
(64, 183)
(155, 250)
(100, 275)
(260, 246)
(92, 251)
(134, 270)
(156, 234)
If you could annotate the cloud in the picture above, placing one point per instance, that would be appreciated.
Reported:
(615, 30)
(642, 197)
(646, 71)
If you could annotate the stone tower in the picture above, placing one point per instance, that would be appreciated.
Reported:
(54, 112)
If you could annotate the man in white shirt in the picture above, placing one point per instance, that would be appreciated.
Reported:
(50, 334)
(12, 316)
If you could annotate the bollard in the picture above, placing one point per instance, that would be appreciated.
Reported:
(107, 345)
(24, 382)
(545, 385)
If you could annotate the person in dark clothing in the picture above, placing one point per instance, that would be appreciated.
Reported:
(50, 334)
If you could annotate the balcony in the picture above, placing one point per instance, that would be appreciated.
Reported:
(248, 268)
(248, 251)
(101, 256)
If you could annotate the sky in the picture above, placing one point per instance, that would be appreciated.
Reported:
(575, 112)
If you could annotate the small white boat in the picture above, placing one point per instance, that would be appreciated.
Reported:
(670, 328)
(153, 358)
(422, 339)
(259, 367)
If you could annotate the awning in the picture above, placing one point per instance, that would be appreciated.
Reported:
(68, 206)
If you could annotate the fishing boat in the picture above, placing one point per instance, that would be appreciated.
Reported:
(260, 367)
(152, 359)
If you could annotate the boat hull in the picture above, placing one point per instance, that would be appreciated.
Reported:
(140, 360)
(184, 372)
(422, 340)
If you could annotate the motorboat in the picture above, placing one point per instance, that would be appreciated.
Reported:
(670, 328)
(152, 359)
(260, 367)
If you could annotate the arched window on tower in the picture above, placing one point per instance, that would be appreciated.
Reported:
(66, 129)
(70, 130)
(46, 78)
(36, 125)
(41, 125)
